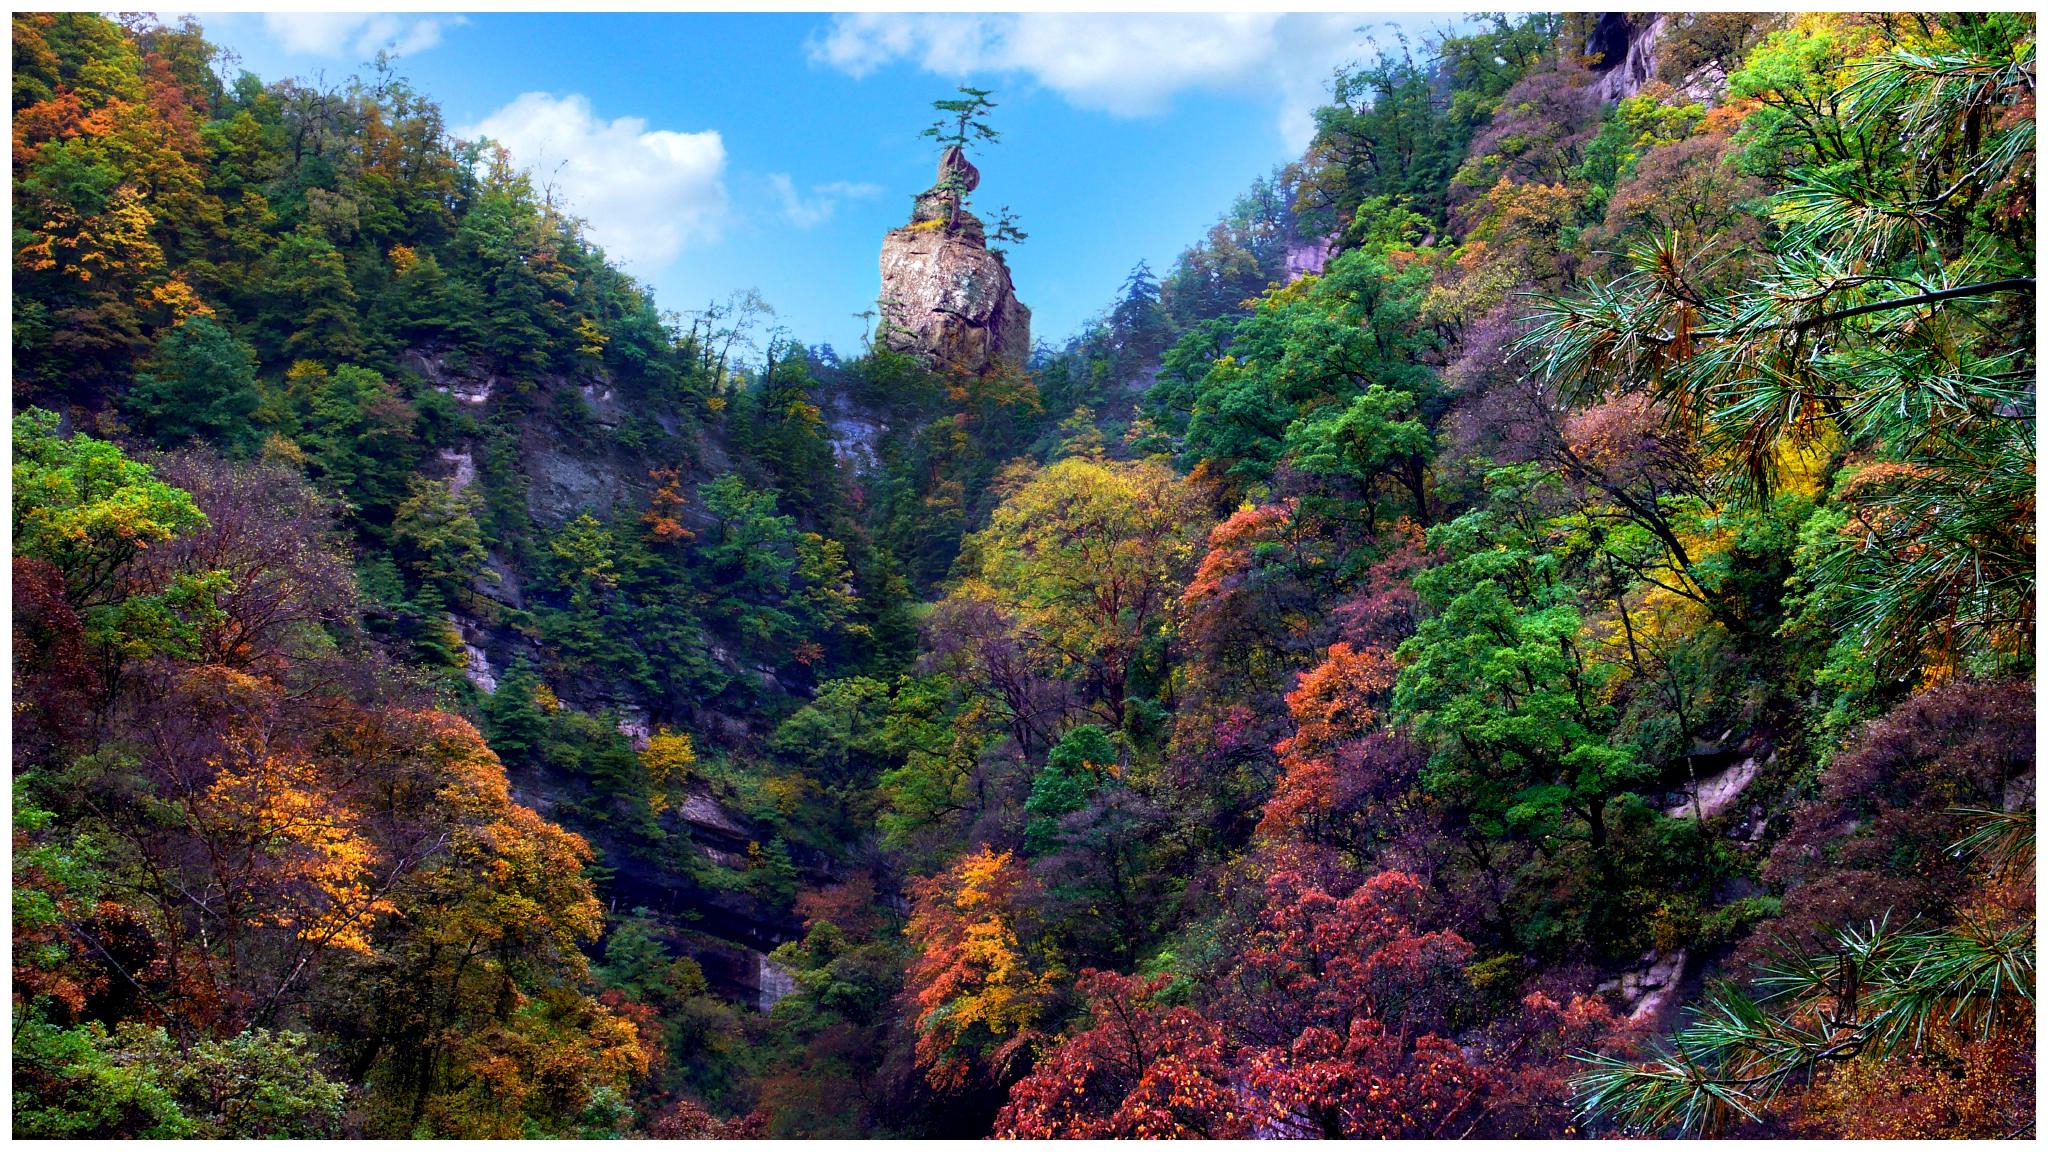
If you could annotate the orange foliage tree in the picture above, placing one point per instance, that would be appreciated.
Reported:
(473, 1022)
(978, 992)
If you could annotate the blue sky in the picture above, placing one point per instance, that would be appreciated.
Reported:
(712, 153)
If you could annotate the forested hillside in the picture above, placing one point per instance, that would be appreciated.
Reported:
(1526, 629)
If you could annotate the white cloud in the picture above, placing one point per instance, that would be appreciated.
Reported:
(646, 194)
(356, 33)
(1126, 64)
(810, 211)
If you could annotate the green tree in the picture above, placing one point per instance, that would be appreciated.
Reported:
(513, 718)
(200, 384)
(964, 122)
(308, 307)
(773, 875)
(788, 432)
(750, 549)
(435, 535)
(84, 1083)
(359, 439)
(1080, 763)
(935, 788)
(584, 557)
(1375, 435)
(839, 736)
(1320, 340)
(1513, 698)
(85, 510)
(83, 506)
(1138, 322)
(638, 963)
(1399, 126)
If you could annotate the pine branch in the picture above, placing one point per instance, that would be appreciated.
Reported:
(1989, 287)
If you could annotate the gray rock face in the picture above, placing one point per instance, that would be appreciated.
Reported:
(464, 469)
(1717, 792)
(1309, 257)
(946, 298)
(1652, 987)
(464, 385)
(854, 432)
(1627, 45)
(773, 981)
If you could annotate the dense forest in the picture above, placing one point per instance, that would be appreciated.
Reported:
(1525, 629)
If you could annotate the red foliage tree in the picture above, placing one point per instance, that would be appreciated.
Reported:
(1368, 1085)
(1137, 1071)
(55, 688)
(1382, 612)
(1316, 961)
(1886, 798)
(1246, 618)
(689, 1120)
(1339, 775)
(1528, 1054)
(1331, 1023)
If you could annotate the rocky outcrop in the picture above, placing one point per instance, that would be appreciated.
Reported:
(1309, 257)
(771, 983)
(1624, 44)
(946, 297)
(1651, 988)
(1710, 796)
(433, 365)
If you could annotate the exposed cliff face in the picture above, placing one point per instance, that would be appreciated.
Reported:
(946, 298)
(1309, 257)
(570, 459)
(1626, 45)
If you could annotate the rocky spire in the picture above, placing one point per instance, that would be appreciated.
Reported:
(946, 298)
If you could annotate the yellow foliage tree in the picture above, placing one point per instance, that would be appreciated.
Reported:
(667, 761)
(484, 1029)
(300, 860)
(1087, 556)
